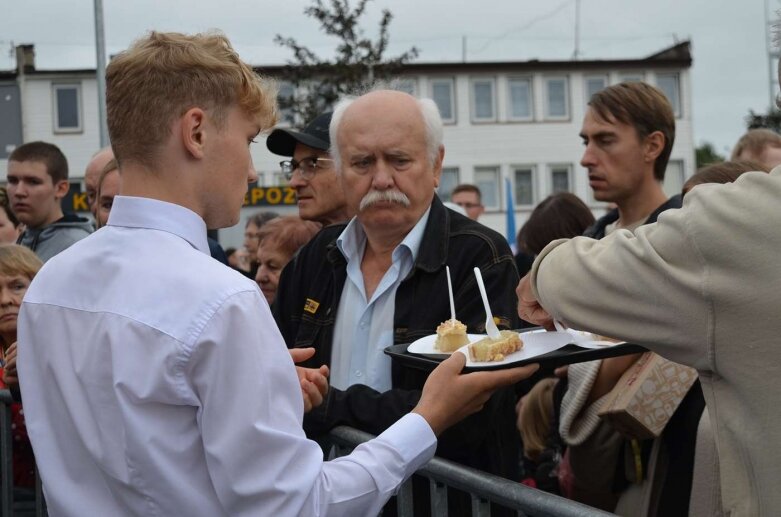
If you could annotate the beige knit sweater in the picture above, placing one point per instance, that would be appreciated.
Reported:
(701, 287)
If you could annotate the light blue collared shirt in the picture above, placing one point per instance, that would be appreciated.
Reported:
(364, 328)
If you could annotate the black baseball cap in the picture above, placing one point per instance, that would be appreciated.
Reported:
(315, 134)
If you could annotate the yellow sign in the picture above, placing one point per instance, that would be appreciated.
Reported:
(270, 196)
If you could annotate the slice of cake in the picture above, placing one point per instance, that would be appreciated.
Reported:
(488, 349)
(451, 335)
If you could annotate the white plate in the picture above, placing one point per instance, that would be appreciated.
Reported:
(425, 346)
(535, 342)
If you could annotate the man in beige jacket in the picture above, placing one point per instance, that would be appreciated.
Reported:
(699, 287)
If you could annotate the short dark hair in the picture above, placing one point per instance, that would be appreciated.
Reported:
(723, 172)
(46, 153)
(467, 187)
(645, 108)
(558, 216)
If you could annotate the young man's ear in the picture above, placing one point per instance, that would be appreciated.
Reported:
(654, 145)
(61, 189)
(192, 130)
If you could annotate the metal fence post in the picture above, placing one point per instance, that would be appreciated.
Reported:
(6, 459)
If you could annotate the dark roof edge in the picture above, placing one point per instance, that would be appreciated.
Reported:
(676, 56)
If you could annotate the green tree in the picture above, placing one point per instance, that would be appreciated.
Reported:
(705, 154)
(769, 120)
(318, 83)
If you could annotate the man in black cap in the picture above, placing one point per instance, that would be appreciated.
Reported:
(311, 171)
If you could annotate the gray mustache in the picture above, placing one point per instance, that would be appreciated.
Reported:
(379, 196)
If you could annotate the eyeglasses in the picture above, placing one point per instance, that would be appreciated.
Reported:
(307, 166)
(468, 206)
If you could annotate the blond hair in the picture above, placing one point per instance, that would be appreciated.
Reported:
(536, 416)
(18, 260)
(163, 75)
(754, 143)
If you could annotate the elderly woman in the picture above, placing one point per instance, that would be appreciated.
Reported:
(18, 266)
(280, 239)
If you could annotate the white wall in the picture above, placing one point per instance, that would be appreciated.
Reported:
(467, 145)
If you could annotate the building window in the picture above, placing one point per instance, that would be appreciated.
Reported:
(560, 178)
(524, 185)
(483, 100)
(285, 96)
(674, 178)
(556, 98)
(407, 85)
(632, 77)
(670, 85)
(487, 180)
(521, 101)
(593, 84)
(67, 108)
(443, 95)
(447, 182)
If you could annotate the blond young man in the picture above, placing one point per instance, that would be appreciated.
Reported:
(162, 387)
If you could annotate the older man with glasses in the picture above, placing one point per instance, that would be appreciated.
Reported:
(311, 171)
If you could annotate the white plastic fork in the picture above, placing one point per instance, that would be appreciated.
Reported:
(577, 338)
(490, 326)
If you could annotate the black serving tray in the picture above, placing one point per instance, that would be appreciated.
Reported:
(568, 354)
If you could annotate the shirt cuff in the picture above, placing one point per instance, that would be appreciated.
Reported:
(413, 439)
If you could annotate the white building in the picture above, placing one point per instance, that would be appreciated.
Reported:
(518, 120)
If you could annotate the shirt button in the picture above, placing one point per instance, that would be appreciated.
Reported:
(358, 373)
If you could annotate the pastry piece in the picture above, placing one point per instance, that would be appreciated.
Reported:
(451, 335)
(488, 349)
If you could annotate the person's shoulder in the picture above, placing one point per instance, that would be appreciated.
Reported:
(462, 228)
(319, 245)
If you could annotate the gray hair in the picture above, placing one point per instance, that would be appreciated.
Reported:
(428, 110)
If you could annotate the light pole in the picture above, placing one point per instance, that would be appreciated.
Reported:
(100, 49)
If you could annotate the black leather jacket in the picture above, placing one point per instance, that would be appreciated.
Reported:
(305, 310)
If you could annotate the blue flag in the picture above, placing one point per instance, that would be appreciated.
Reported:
(510, 214)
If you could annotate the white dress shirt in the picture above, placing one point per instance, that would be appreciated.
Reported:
(156, 383)
(364, 327)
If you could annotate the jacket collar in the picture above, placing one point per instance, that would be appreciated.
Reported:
(433, 247)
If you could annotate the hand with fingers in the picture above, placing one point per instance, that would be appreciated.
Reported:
(314, 381)
(10, 377)
(529, 308)
(450, 396)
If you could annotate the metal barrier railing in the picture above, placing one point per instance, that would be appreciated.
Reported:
(483, 488)
(9, 507)
(6, 458)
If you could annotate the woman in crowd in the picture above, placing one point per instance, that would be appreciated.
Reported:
(558, 216)
(18, 266)
(279, 240)
(10, 227)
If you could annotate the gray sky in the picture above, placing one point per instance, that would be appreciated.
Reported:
(729, 75)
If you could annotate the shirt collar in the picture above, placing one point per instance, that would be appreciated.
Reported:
(352, 240)
(153, 214)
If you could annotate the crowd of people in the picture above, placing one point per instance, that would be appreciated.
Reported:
(205, 384)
